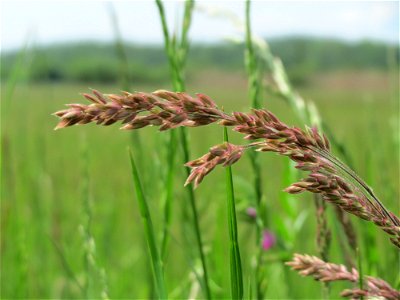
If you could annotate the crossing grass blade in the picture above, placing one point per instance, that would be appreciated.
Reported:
(234, 251)
(155, 258)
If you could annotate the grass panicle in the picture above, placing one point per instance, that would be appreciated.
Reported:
(323, 271)
(329, 177)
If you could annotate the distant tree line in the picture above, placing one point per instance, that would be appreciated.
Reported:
(97, 62)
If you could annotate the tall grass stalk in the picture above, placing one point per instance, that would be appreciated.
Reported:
(151, 239)
(255, 88)
(234, 251)
(176, 50)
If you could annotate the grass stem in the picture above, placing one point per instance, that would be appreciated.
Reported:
(176, 53)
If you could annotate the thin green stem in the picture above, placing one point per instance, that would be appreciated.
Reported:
(235, 265)
(196, 225)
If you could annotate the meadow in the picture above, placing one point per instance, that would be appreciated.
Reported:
(71, 226)
(47, 176)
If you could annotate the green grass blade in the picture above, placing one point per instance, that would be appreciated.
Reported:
(236, 265)
(157, 265)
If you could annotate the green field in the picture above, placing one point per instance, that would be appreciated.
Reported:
(48, 176)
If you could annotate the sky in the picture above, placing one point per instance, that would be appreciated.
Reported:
(47, 22)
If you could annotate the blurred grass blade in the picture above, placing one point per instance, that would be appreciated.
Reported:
(119, 48)
(65, 265)
(21, 65)
(235, 261)
(157, 265)
(95, 283)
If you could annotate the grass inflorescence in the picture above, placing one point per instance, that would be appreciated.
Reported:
(329, 177)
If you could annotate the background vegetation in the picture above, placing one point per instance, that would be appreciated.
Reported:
(99, 62)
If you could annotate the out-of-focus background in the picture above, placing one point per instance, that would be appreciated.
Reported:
(341, 55)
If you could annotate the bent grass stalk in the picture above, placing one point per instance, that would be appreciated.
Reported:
(236, 264)
(253, 70)
(155, 257)
(305, 113)
(308, 114)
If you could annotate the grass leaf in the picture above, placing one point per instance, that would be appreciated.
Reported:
(155, 258)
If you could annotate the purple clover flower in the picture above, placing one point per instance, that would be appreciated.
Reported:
(268, 240)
